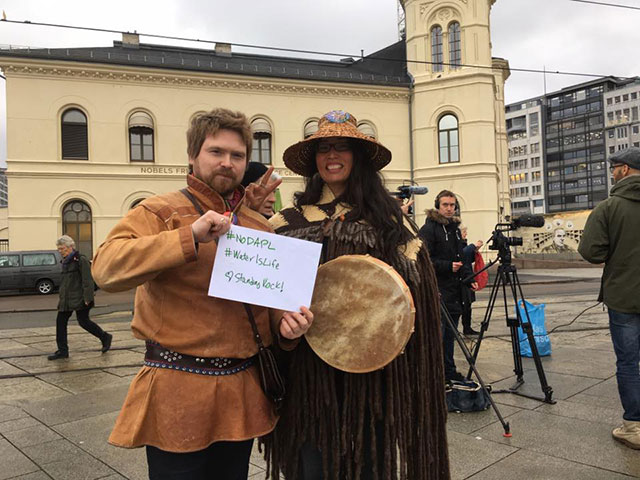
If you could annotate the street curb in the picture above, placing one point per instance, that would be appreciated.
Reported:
(33, 310)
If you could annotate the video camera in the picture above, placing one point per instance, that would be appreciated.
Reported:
(499, 241)
(407, 191)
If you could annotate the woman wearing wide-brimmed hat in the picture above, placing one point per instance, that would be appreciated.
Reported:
(338, 425)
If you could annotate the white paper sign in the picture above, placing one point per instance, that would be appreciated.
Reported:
(265, 269)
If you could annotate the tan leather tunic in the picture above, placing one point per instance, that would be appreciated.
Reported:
(152, 248)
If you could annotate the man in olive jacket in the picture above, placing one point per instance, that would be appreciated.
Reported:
(76, 293)
(611, 236)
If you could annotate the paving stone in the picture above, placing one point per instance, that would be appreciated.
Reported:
(18, 424)
(568, 408)
(113, 476)
(563, 385)
(571, 439)
(7, 369)
(14, 462)
(91, 380)
(51, 452)
(534, 466)
(75, 407)
(92, 434)
(83, 360)
(31, 436)
(468, 455)
(469, 422)
(123, 371)
(597, 401)
(11, 412)
(39, 475)
(83, 467)
(28, 388)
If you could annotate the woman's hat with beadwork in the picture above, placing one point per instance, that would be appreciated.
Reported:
(301, 157)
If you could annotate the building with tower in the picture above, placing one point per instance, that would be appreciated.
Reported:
(110, 122)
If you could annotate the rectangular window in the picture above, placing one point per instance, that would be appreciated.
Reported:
(634, 113)
(38, 259)
(617, 99)
(634, 96)
(9, 261)
(625, 97)
(611, 133)
(636, 129)
(609, 101)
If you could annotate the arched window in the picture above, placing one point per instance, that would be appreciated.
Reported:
(367, 129)
(261, 141)
(75, 145)
(141, 137)
(436, 49)
(448, 139)
(76, 222)
(136, 202)
(455, 50)
(310, 128)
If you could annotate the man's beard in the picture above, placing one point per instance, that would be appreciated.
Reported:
(220, 183)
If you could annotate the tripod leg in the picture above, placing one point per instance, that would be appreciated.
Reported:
(470, 360)
(484, 326)
(513, 324)
(528, 329)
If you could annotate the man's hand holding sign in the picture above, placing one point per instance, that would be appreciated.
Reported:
(261, 268)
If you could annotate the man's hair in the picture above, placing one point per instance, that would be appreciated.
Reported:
(66, 240)
(211, 123)
(444, 193)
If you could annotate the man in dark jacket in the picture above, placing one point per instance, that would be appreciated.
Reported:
(611, 237)
(76, 293)
(442, 235)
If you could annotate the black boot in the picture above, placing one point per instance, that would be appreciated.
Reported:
(470, 332)
(106, 342)
(58, 354)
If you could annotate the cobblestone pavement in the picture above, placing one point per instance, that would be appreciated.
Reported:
(55, 417)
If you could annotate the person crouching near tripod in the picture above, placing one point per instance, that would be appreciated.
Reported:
(441, 233)
(611, 237)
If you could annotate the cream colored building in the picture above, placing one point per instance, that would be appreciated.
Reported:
(91, 131)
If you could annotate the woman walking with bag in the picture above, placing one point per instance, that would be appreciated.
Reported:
(76, 293)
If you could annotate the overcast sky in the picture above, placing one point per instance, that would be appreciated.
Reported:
(554, 34)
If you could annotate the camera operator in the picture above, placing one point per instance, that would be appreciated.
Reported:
(442, 235)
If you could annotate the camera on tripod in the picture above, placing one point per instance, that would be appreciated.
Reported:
(499, 241)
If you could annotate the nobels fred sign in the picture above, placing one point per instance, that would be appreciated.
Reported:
(165, 170)
(265, 269)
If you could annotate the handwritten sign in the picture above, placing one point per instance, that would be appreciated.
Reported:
(265, 269)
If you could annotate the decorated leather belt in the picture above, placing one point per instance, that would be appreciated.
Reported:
(160, 357)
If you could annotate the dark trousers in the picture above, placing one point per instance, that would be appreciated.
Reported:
(448, 341)
(83, 319)
(219, 461)
(311, 457)
(466, 318)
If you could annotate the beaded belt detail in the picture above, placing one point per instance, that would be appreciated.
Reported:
(160, 357)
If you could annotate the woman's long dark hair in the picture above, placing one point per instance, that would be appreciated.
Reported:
(366, 194)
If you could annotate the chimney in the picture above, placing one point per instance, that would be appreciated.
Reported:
(223, 49)
(131, 40)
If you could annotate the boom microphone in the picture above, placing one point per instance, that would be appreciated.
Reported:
(527, 220)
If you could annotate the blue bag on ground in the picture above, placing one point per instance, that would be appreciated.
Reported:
(536, 315)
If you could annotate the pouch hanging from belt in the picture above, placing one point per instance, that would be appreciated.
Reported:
(271, 379)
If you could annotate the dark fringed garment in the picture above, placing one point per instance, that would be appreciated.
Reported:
(400, 409)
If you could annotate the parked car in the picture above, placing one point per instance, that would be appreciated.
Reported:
(38, 269)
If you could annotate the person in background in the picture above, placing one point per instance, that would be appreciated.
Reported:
(441, 233)
(76, 294)
(469, 296)
(255, 171)
(611, 237)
